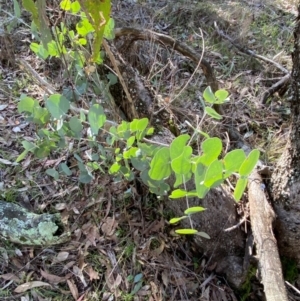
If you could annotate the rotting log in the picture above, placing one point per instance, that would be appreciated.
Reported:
(18, 225)
(262, 217)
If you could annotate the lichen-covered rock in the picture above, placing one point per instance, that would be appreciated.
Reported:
(21, 226)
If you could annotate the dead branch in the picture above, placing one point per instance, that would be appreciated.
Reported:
(274, 88)
(148, 35)
(262, 217)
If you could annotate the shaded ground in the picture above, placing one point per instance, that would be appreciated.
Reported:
(122, 247)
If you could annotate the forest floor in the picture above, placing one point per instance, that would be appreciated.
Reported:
(122, 247)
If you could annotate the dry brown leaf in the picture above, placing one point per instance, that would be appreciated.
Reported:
(53, 278)
(92, 273)
(62, 256)
(109, 226)
(156, 252)
(165, 278)
(73, 288)
(10, 276)
(29, 285)
(78, 272)
(68, 265)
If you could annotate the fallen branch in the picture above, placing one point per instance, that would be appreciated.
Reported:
(262, 217)
(148, 35)
(274, 88)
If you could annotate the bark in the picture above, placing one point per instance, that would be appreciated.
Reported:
(262, 217)
(285, 182)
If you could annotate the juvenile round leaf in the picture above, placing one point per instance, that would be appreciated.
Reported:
(177, 146)
(250, 162)
(233, 160)
(58, 105)
(96, 118)
(193, 210)
(221, 95)
(142, 124)
(186, 231)
(240, 188)
(64, 167)
(53, 173)
(27, 104)
(182, 164)
(160, 165)
(212, 113)
(213, 174)
(75, 125)
(201, 189)
(211, 148)
(208, 95)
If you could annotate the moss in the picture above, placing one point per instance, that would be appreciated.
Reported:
(245, 290)
(290, 270)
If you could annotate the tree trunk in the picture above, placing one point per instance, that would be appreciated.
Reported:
(285, 182)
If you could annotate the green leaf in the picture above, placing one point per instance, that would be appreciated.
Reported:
(29, 146)
(142, 124)
(75, 125)
(211, 148)
(182, 164)
(178, 193)
(138, 278)
(208, 95)
(109, 32)
(30, 6)
(17, 10)
(53, 173)
(65, 5)
(160, 165)
(250, 162)
(27, 104)
(75, 7)
(177, 145)
(64, 167)
(221, 96)
(57, 105)
(201, 189)
(212, 113)
(40, 115)
(186, 231)
(114, 168)
(240, 188)
(175, 220)
(130, 141)
(193, 210)
(96, 118)
(214, 174)
(112, 79)
(233, 161)
(22, 156)
(85, 177)
(203, 234)
(84, 27)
